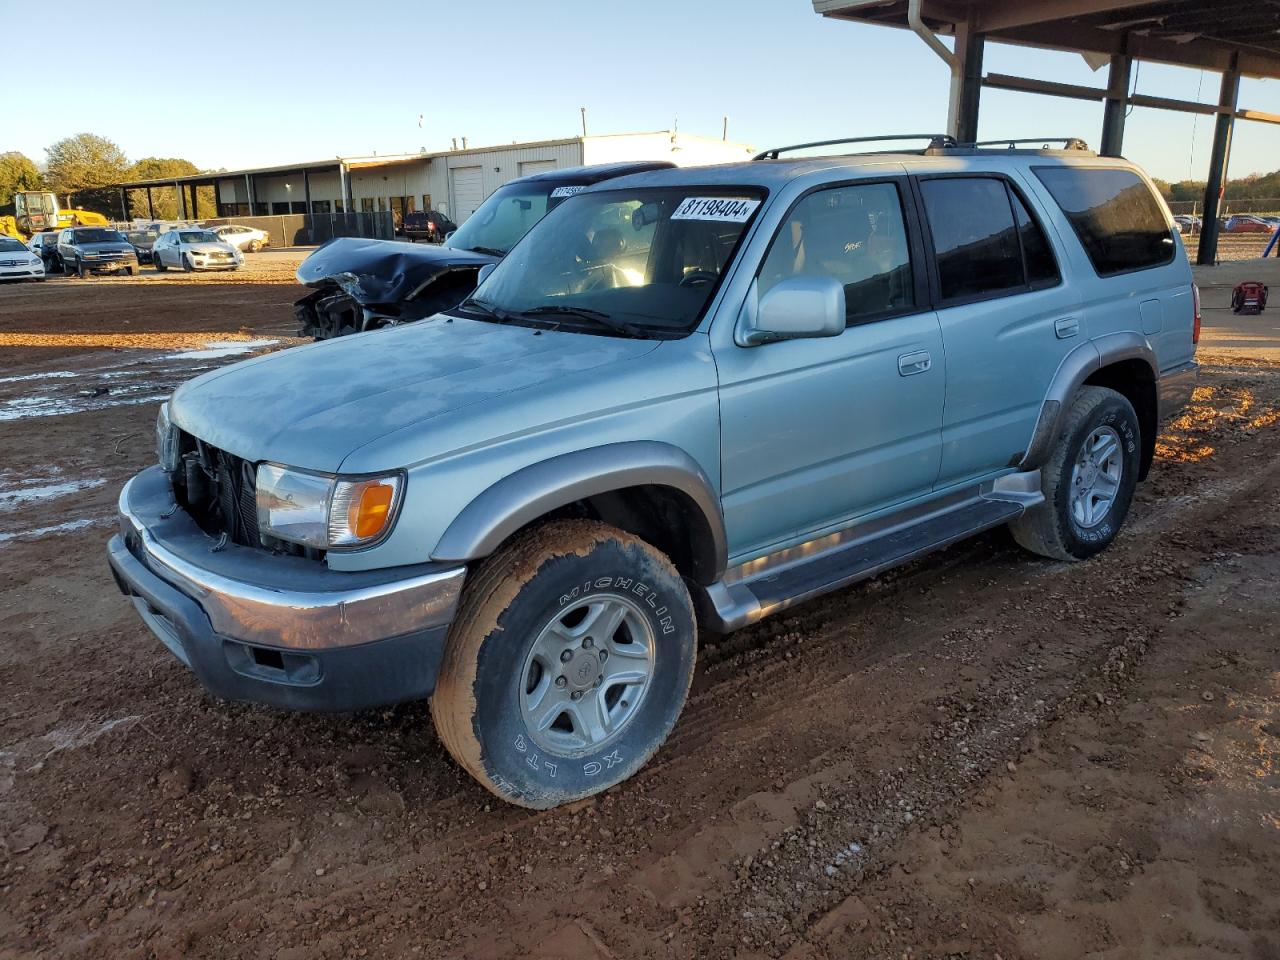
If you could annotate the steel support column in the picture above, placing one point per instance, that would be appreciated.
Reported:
(1117, 105)
(182, 200)
(124, 204)
(151, 206)
(306, 194)
(1218, 160)
(967, 81)
(248, 194)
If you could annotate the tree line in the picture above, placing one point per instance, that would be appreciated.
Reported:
(83, 166)
(1256, 186)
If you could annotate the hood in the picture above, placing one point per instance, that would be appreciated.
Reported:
(207, 246)
(105, 246)
(312, 406)
(383, 271)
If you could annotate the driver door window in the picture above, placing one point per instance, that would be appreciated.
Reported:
(856, 235)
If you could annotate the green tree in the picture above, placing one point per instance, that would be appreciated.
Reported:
(17, 173)
(164, 199)
(83, 164)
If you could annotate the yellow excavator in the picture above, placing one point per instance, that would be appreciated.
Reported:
(35, 212)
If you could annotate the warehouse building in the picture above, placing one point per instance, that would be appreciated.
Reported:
(454, 182)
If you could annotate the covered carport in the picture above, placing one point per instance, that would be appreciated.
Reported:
(1236, 38)
(240, 183)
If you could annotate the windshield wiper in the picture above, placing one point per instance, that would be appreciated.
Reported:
(488, 251)
(597, 317)
(488, 310)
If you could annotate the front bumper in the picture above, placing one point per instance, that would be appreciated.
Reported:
(109, 266)
(277, 629)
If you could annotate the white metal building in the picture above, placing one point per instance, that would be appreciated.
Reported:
(454, 182)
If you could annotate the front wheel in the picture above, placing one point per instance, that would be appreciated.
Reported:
(254, 246)
(81, 272)
(1089, 480)
(568, 664)
(187, 265)
(158, 263)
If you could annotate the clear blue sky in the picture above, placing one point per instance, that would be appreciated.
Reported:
(236, 84)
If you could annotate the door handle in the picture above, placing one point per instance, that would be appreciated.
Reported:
(1066, 327)
(913, 363)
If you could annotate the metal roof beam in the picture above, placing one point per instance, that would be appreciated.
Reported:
(1010, 14)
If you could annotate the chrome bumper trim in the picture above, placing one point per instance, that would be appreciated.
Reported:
(301, 619)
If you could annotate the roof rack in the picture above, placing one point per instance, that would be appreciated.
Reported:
(936, 141)
(1068, 143)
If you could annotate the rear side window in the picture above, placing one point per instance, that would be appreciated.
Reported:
(1042, 268)
(974, 238)
(1119, 222)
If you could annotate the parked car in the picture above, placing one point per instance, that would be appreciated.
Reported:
(85, 250)
(242, 238)
(18, 262)
(1187, 224)
(1242, 223)
(429, 225)
(716, 389)
(366, 284)
(194, 249)
(45, 246)
(143, 241)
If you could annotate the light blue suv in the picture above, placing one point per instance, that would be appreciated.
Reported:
(687, 398)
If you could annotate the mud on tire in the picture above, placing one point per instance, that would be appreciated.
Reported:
(532, 624)
(1051, 529)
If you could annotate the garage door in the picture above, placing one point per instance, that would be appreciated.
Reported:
(529, 167)
(467, 190)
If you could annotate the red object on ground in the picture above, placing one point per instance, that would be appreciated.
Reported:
(1249, 297)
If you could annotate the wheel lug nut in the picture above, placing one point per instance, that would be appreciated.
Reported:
(604, 655)
(599, 680)
(561, 682)
(588, 643)
(576, 695)
(566, 656)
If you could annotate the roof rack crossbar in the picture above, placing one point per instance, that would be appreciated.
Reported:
(935, 140)
(1069, 143)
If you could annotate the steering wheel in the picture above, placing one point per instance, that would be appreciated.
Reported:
(696, 278)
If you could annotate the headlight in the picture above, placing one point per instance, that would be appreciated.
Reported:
(166, 440)
(324, 511)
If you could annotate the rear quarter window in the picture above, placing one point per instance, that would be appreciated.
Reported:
(1114, 214)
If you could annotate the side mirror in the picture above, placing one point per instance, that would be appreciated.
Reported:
(795, 308)
(483, 275)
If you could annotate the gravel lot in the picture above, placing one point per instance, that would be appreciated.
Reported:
(979, 755)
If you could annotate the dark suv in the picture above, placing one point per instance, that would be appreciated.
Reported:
(429, 225)
(96, 250)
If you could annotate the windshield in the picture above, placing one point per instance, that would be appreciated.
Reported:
(642, 261)
(198, 236)
(11, 246)
(97, 236)
(508, 214)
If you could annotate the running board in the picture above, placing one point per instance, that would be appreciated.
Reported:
(766, 586)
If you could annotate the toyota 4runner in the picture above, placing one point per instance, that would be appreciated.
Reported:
(688, 397)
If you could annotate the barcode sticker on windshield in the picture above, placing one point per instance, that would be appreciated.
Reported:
(568, 191)
(725, 209)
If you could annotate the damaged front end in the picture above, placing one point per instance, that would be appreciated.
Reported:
(366, 284)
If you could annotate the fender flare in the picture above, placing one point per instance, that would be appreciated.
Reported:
(1076, 367)
(534, 491)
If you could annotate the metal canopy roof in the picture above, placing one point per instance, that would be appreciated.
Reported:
(1204, 34)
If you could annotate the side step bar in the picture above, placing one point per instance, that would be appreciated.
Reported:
(758, 589)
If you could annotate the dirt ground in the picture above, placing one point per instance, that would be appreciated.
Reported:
(980, 755)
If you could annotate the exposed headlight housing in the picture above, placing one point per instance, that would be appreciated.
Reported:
(325, 511)
(166, 440)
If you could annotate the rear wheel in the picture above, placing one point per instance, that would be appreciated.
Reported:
(1089, 480)
(568, 664)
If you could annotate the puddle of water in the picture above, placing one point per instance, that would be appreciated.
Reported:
(69, 526)
(15, 497)
(216, 349)
(25, 407)
(47, 375)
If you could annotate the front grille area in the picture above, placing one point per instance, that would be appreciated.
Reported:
(218, 490)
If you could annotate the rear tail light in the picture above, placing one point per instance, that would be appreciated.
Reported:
(1195, 303)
